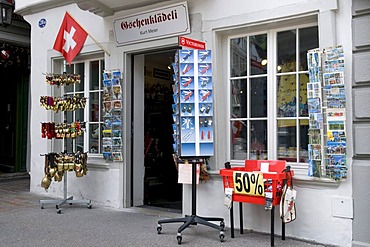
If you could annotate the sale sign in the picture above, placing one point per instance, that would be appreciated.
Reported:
(248, 183)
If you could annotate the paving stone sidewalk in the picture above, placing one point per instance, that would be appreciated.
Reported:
(24, 223)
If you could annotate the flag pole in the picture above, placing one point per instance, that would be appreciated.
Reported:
(100, 45)
(96, 42)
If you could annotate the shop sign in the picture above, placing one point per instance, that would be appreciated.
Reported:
(169, 21)
(192, 43)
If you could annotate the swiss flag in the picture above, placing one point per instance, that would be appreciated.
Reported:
(71, 38)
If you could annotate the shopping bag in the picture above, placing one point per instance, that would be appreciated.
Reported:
(287, 204)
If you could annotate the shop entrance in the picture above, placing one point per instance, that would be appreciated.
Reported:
(160, 173)
(14, 110)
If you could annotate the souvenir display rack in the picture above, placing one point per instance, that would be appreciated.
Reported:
(327, 104)
(193, 125)
(193, 103)
(57, 165)
(112, 116)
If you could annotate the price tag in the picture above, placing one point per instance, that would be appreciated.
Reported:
(248, 183)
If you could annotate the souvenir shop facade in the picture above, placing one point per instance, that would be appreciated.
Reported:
(282, 82)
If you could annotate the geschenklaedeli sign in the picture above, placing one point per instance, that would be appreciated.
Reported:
(172, 20)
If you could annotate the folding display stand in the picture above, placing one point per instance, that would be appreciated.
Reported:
(194, 219)
(65, 200)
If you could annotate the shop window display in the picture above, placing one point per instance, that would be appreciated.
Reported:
(253, 75)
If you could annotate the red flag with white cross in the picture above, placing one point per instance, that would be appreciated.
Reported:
(71, 38)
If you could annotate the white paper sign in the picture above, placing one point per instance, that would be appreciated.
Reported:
(185, 174)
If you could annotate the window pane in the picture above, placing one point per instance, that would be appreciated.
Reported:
(239, 140)
(258, 54)
(94, 138)
(80, 69)
(258, 141)
(287, 140)
(69, 69)
(308, 39)
(94, 75)
(80, 144)
(238, 98)
(238, 57)
(94, 107)
(303, 132)
(287, 49)
(258, 96)
(303, 108)
(286, 96)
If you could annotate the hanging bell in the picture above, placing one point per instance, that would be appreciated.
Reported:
(45, 182)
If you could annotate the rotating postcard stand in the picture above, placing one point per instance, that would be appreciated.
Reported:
(68, 162)
(193, 125)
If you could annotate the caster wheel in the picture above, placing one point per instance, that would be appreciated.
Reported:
(56, 206)
(59, 211)
(70, 203)
(159, 228)
(42, 206)
(89, 206)
(222, 237)
(222, 225)
(179, 239)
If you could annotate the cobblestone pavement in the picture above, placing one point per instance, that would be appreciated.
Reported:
(24, 224)
(14, 194)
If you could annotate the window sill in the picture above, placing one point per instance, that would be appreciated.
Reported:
(298, 179)
(99, 163)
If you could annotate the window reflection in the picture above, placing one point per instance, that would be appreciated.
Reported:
(238, 56)
(239, 140)
(258, 140)
(258, 54)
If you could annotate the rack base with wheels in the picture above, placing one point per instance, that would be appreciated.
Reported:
(194, 219)
(66, 200)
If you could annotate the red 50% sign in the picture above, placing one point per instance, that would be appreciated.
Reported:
(248, 183)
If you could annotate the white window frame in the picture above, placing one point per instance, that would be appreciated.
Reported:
(272, 140)
(58, 67)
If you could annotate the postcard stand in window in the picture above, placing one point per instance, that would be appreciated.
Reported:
(112, 115)
(327, 103)
(57, 165)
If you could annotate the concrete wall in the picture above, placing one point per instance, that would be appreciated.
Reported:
(361, 120)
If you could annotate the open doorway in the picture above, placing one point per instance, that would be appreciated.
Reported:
(160, 174)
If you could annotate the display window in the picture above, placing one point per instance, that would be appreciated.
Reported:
(91, 87)
(268, 78)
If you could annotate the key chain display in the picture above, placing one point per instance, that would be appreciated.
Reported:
(62, 79)
(58, 104)
(57, 163)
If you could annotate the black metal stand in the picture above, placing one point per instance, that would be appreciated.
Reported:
(194, 219)
(272, 232)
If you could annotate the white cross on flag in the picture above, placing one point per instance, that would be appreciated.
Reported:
(71, 38)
